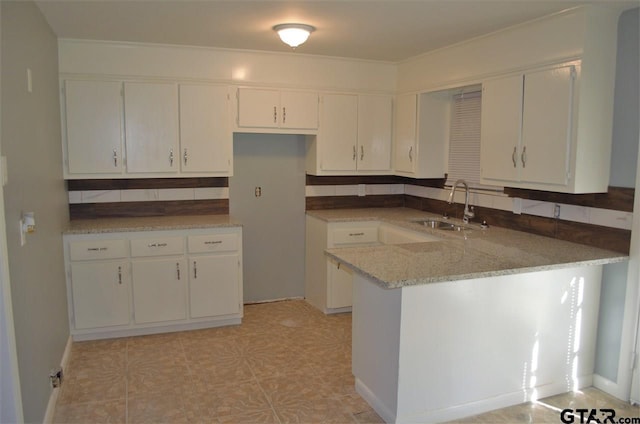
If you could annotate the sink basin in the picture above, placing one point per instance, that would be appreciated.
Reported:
(442, 225)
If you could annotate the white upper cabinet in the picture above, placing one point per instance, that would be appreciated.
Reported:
(374, 133)
(547, 125)
(94, 127)
(354, 135)
(405, 135)
(151, 116)
(338, 132)
(500, 128)
(421, 134)
(146, 129)
(276, 109)
(528, 136)
(206, 141)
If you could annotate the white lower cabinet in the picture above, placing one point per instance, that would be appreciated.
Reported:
(130, 283)
(327, 284)
(339, 290)
(159, 290)
(101, 294)
(214, 285)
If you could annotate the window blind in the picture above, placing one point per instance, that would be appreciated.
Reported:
(464, 139)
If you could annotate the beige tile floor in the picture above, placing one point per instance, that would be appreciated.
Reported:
(287, 362)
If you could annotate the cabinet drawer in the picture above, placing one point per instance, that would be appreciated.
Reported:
(213, 243)
(157, 246)
(97, 249)
(355, 235)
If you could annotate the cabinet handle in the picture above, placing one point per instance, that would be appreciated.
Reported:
(513, 157)
(185, 156)
(97, 249)
(178, 270)
(213, 242)
(115, 158)
(355, 154)
(170, 157)
(355, 234)
(275, 114)
(195, 270)
(411, 154)
(157, 245)
(119, 275)
(523, 156)
(284, 114)
(361, 152)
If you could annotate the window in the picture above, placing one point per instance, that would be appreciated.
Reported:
(464, 139)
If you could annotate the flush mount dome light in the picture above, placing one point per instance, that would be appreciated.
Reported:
(293, 34)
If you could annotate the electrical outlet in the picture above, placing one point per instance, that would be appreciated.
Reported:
(55, 377)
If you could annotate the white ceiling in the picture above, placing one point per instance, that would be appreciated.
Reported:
(391, 30)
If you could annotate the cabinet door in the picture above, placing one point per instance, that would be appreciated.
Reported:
(100, 294)
(405, 132)
(258, 108)
(94, 127)
(151, 121)
(338, 132)
(159, 290)
(299, 110)
(500, 129)
(546, 125)
(339, 286)
(374, 133)
(214, 285)
(205, 138)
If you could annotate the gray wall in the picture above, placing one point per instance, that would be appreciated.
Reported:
(623, 174)
(273, 224)
(624, 152)
(31, 143)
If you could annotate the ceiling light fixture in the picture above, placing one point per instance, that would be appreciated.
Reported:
(293, 34)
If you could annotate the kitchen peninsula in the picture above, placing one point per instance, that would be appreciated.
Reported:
(477, 320)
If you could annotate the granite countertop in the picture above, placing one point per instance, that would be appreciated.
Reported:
(156, 223)
(472, 253)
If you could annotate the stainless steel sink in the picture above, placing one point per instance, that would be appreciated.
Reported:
(441, 225)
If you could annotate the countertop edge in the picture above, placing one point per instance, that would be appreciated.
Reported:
(473, 275)
(141, 224)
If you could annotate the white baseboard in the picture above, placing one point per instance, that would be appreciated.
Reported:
(281, 299)
(609, 387)
(53, 398)
(469, 409)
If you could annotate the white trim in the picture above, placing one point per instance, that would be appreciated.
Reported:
(610, 387)
(9, 364)
(55, 393)
(470, 409)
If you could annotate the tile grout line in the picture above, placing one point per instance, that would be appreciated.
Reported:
(264, 393)
(126, 382)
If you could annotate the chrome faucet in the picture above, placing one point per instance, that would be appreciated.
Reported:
(468, 213)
